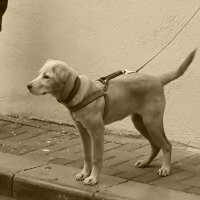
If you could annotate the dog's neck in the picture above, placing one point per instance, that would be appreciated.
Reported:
(67, 94)
(81, 92)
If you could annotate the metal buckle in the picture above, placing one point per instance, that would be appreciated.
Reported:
(126, 71)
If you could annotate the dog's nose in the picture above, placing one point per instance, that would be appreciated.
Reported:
(29, 86)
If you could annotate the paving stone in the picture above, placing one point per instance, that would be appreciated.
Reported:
(63, 128)
(69, 155)
(69, 148)
(193, 190)
(131, 146)
(50, 137)
(193, 160)
(16, 147)
(27, 134)
(24, 149)
(110, 146)
(13, 126)
(129, 175)
(117, 140)
(183, 167)
(4, 123)
(197, 167)
(147, 177)
(179, 175)
(110, 171)
(47, 158)
(77, 163)
(170, 184)
(180, 154)
(108, 156)
(118, 153)
(6, 146)
(60, 145)
(145, 150)
(51, 156)
(115, 161)
(10, 130)
(193, 181)
(128, 166)
(60, 161)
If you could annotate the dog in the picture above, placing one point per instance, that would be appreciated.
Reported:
(137, 95)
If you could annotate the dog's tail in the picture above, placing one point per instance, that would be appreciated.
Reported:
(168, 77)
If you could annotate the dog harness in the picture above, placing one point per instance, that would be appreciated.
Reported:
(104, 80)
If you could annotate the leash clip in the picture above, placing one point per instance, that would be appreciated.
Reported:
(126, 71)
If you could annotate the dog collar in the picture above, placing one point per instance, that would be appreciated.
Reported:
(72, 93)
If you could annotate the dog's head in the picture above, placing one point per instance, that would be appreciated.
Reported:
(53, 78)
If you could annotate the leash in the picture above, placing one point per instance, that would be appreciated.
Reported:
(190, 19)
(105, 79)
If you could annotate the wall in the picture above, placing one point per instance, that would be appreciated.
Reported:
(97, 37)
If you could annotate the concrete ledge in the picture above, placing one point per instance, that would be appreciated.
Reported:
(32, 189)
(26, 179)
(9, 166)
(132, 190)
(57, 182)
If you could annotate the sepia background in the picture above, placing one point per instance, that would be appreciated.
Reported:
(98, 37)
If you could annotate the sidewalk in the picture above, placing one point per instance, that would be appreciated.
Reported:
(39, 160)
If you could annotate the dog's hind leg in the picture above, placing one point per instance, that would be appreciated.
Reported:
(155, 148)
(154, 125)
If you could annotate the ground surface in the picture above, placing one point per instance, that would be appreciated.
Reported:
(60, 144)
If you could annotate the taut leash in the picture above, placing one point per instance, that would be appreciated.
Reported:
(105, 79)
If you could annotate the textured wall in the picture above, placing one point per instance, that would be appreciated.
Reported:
(97, 37)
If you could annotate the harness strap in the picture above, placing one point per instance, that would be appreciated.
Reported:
(106, 105)
(105, 81)
(88, 100)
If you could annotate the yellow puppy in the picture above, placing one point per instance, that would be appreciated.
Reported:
(137, 95)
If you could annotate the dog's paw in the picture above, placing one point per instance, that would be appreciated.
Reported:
(164, 171)
(82, 176)
(90, 181)
(141, 163)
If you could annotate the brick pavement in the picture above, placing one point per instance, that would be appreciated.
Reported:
(60, 144)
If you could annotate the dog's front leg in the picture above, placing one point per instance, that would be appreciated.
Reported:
(87, 152)
(97, 135)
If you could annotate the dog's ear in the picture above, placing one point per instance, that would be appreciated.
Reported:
(64, 73)
(61, 73)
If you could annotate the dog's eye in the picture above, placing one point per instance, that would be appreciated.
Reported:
(46, 76)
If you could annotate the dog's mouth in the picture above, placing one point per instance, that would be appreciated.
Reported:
(37, 93)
